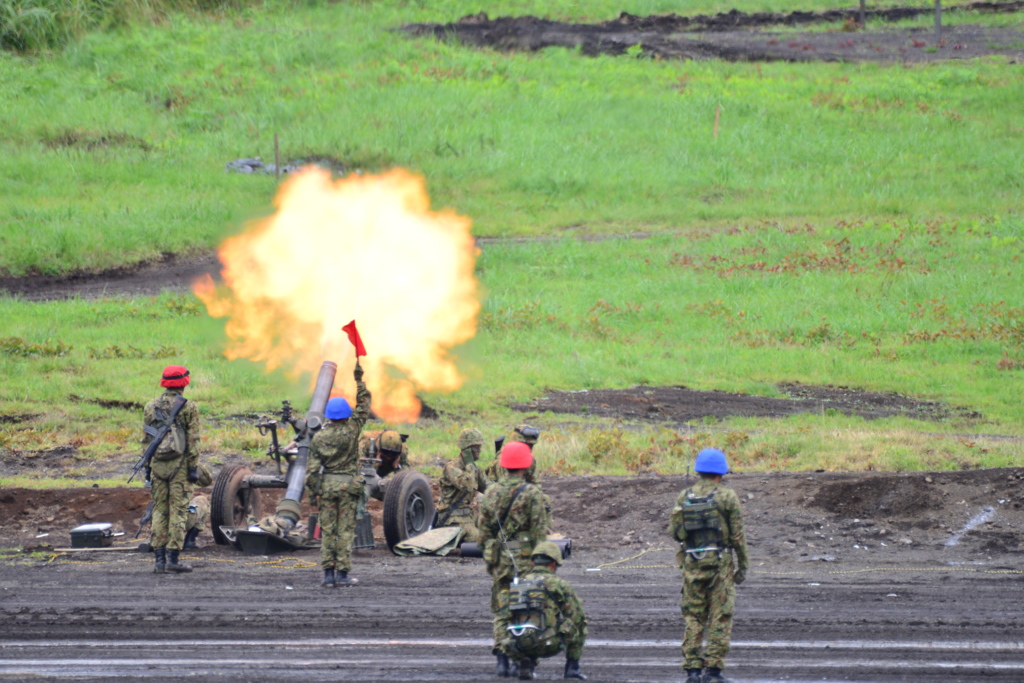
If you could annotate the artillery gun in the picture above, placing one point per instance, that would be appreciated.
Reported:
(236, 501)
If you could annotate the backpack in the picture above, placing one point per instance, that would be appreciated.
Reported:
(175, 444)
(533, 618)
(702, 524)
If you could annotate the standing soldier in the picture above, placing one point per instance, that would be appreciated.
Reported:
(173, 468)
(708, 524)
(521, 434)
(545, 616)
(460, 482)
(513, 518)
(333, 478)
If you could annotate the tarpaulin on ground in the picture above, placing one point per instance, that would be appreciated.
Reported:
(434, 542)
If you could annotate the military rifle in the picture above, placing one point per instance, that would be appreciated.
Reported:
(158, 436)
(439, 521)
(147, 517)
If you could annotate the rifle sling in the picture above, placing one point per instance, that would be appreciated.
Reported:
(508, 509)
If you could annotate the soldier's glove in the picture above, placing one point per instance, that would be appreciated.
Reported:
(193, 475)
(740, 576)
(358, 372)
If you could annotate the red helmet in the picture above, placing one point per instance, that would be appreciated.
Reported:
(175, 376)
(516, 456)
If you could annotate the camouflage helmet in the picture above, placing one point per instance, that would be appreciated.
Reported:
(549, 550)
(470, 437)
(390, 440)
(525, 434)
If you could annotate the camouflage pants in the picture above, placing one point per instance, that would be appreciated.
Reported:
(337, 529)
(199, 518)
(708, 598)
(468, 524)
(569, 639)
(170, 508)
(499, 607)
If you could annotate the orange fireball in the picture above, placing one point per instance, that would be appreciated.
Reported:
(366, 248)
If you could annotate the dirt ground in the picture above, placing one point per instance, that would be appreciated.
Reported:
(855, 577)
(677, 405)
(738, 36)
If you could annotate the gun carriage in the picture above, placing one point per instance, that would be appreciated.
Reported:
(408, 503)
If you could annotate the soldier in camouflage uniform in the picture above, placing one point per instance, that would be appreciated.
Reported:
(514, 517)
(391, 451)
(333, 478)
(459, 484)
(172, 474)
(708, 524)
(564, 621)
(198, 517)
(521, 434)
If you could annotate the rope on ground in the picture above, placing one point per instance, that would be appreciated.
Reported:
(299, 563)
(628, 559)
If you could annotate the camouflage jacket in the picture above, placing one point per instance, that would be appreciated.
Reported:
(525, 525)
(459, 483)
(187, 418)
(386, 466)
(728, 505)
(335, 448)
(565, 609)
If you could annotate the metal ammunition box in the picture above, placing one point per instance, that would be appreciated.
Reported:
(92, 535)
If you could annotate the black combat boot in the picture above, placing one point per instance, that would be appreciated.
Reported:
(341, 578)
(328, 581)
(190, 539)
(172, 562)
(501, 671)
(161, 560)
(572, 669)
(526, 669)
(694, 676)
(714, 675)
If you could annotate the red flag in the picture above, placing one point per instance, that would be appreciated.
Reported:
(353, 336)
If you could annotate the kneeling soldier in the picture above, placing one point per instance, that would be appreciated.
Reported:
(545, 616)
(460, 481)
(708, 524)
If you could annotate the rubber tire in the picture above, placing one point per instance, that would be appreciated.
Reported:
(231, 504)
(408, 507)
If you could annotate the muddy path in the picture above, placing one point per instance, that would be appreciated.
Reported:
(860, 605)
(738, 36)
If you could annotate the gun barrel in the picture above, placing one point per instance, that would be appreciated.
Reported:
(289, 510)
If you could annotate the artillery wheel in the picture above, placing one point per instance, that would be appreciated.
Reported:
(232, 504)
(408, 507)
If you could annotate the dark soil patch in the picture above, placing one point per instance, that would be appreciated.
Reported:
(733, 36)
(107, 403)
(147, 278)
(679, 404)
(16, 419)
(877, 496)
(93, 140)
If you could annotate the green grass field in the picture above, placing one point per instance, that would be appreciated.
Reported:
(853, 225)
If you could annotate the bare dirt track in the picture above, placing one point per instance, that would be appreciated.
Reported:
(678, 405)
(855, 577)
(738, 36)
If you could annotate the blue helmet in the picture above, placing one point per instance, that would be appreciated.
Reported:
(711, 461)
(338, 409)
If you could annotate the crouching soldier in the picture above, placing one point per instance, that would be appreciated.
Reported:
(460, 481)
(521, 434)
(708, 525)
(545, 616)
(197, 519)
